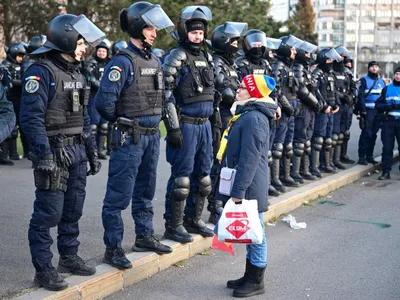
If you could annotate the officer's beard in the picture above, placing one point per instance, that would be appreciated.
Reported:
(255, 54)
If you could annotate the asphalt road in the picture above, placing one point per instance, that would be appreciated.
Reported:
(349, 250)
(17, 196)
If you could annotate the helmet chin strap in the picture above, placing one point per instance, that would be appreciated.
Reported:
(146, 45)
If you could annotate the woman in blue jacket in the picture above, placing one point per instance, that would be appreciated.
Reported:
(247, 152)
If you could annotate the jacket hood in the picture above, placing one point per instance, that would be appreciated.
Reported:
(265, 105)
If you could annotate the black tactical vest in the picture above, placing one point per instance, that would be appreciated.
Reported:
(341, 83)
(144, 96)
(198, 85)
(287, 83)
(327, 89)
(65, 112)
(231, 78)
(262, 69)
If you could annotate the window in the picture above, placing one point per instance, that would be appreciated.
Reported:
(351, 26)
(351, 38)
(367, 38)
(337, 39)
(384, 13)
(367, 26)
(338, 26)
(323, 37)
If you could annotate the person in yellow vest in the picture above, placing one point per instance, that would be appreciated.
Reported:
(244, 146)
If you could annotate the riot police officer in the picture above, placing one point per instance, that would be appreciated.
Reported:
(322, 136)
(7, 115)
(55, 120)
(15, 55)
(35, 43)
(224, 42)
(190, 90)
(93, 70)
(369, 90)
(348, 109)
(287, 88)
(304, 121)
(342, 86)
(118, 46)
(254, 61)
(388, 104)
(131, 95)
(5, 81)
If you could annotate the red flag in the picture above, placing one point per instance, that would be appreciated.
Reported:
(222, 246)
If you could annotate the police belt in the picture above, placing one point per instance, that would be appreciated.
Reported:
(142, 130)
(70, 141)
(195, 121)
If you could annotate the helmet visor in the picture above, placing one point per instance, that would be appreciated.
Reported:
(90, 32)
(235, 28)
(332, 54)
(188, 12)
(342, 50)
(273, 44)
(156, 17)
(308, 47)
(256, 40)
(293, 41)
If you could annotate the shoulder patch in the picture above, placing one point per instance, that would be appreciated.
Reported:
(31, 86)
(114, 75)
(116, 68)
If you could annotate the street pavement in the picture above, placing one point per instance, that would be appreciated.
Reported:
(349, 250)
(17, 196)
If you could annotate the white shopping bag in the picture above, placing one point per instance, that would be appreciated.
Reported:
(240, 223)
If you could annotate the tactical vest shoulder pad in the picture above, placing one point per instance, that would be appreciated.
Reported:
(48, 65)
(318, 72)
(241, 62)
(277, 68)
(298, 71)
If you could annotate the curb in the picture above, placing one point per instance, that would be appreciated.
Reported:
(109, 280)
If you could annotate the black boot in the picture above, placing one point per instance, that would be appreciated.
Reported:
(254, 284)
(331, 153)
(150, 244)
(326, 167)
(336, 156)
(305, 168)
(194, 224)
(14, 155)
(115, 256)
(50, 280)
(295, 174)
(362, 161)
(272, 191)
(4, 158)
(371, 160)
(234, 284)
(344, 158)
(75, 265)
(286, 179)
(275, 176)
(216, 211)
(174, 229)
(384, 176)
(315, 163)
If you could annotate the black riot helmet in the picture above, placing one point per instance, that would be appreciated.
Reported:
(342, 50)
(159, 53)
(118, 46)
(143, 14)
(304, 48)
(106, 44)
(16, 49)
(189, 14)
(349, 59)
(325, 54)
(254, 38)
(64, 31)
(288, 42)
(36, 42)
(225, 34)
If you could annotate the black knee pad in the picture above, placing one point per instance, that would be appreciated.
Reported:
(335, 138)
(103, 129)
(181, 188)
(328, 143)
(299, 149)
(277, 150)
(94, 129)
(307, 147)
(318, 143)
(346, 135)
(289, 150)
(205, 185)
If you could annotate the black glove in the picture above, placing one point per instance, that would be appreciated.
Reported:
(362, 120)
(174, 138)
(63, 158)
(94, 163)
(46, 164)
(216, 138)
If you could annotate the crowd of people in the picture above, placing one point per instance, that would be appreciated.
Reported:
(279, 111)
